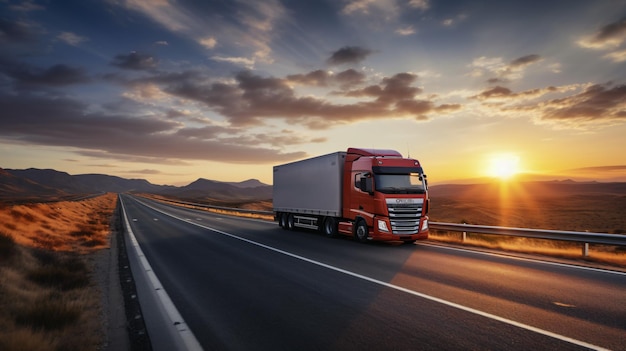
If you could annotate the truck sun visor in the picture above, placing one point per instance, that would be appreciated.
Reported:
(397, 170)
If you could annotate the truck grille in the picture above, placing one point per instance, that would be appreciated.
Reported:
(404, 215)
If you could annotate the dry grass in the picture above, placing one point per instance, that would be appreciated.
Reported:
(534, 205)
(48, 300)
(611, 255)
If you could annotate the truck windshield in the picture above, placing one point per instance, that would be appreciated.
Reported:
(411, 183)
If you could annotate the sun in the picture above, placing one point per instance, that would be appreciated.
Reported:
(504, 166)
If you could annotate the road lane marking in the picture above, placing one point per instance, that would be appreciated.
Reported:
(176, 320)
(393, 286)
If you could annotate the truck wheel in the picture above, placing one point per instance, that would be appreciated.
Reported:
(290, 222)
(282, 220)
(330, 227)
(361, 231)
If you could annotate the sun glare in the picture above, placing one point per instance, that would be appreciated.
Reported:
(504, 166)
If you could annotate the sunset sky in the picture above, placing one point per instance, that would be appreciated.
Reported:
(175, 90)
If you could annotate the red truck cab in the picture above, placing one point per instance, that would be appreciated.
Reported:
(385, 196)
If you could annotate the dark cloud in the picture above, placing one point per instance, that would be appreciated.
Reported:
(315, 78)
(321, 78)
(610, 35)
(349, 55)
(25, 75)
(66, 122)
(497, 91)
(18, 31)
(598, 102)
(135, 61)
(349, 78)
(524, 61)
(252, 99)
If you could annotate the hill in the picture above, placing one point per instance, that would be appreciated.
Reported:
(12, 187)
(205, 189)
(49, 184)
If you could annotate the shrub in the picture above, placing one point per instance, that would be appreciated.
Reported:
(49, 313)
(7, 246)
(66, 275)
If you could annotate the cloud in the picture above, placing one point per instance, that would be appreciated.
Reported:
(598, 102)
(386, 8)
(609, 36)
(577, 105)
(420, 4)
(27, 76)
(243, 29)
(26, 6)
(70, 38)
(18, 31)
(144, 171)
(616, 168)
(252, 100)
(241, 61)
(354, 6)
(348, 55)
(161, 42)
(321, 78)
(524, 61)
(503, 71)
(208, 43)
(404, 31)
(616, 56)
(144, 138)
(135, 61)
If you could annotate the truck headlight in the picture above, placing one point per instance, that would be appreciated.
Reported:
(424, 225)
(382, 226)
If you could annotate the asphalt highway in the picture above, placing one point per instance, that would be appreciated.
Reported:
(245, 284)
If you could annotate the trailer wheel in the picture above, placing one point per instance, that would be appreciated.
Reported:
(282, 220)
(290, 222)
(361, 231)
(329, 227)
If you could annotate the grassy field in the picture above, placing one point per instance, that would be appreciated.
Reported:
(599, 208)
(48, 299)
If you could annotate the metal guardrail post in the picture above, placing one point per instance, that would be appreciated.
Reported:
(585, 249)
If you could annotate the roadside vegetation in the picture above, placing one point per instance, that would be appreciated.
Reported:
(48, 297)
(534, 206)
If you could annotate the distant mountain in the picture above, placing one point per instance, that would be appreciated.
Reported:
(50, 178)
(210, 189)
(48, 182)
(250, 183)
(12, 187)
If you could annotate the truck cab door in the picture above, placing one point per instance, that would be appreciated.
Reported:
(362, 199)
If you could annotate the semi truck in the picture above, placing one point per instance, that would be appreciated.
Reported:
(368, 194)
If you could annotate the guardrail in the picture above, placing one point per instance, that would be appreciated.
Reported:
(232, 209)
(585, 238)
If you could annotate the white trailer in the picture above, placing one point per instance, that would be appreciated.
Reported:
(307, 191)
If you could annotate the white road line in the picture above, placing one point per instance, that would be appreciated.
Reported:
(396, 287)
(176, 320)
